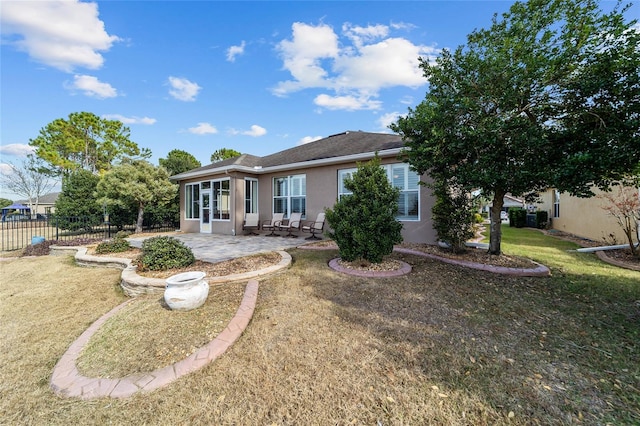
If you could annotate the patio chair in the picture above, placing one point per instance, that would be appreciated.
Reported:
(314, 227)
(273, 224)
(251, 223)
(291, 225)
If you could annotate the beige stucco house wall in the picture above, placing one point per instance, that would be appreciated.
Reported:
(319, 162)
(584, 217)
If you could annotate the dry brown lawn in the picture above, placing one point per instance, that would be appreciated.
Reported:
(442, 345)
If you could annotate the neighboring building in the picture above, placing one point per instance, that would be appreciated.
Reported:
(305, 179)
(584, 217)
(46, 203)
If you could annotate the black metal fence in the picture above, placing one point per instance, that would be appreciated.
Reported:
(17, 234)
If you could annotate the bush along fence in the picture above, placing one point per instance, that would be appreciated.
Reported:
(519, 218)
(16, 235)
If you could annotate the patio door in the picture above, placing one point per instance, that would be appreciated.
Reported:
(205, 208)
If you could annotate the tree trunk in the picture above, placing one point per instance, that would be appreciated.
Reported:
(140, 217)
(495, 238)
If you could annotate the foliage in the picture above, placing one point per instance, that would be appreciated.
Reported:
(364, 224)
(28, 180)
(542, 219)
(179, 161)
(161, 253)
(78, 199)
(115, 245)
(478, 218)
(123, 234)
(452, 215)
(84, 141)
(223, 154)
(4, 202)
(548, 96)
(624, 206)
(517, 217)
(137, 183)
(122, 215)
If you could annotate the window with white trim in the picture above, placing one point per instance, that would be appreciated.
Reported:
(556, 203)
(401, 177)
(221, 200)
(290, 195)
(192, 201)
(250, 195)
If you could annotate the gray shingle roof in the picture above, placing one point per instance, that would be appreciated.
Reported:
(49, 198)
(338, 145)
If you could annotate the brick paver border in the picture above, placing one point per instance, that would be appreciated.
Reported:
(67, 380)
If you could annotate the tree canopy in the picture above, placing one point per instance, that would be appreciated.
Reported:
(135, 182)
(223, 154)
(179, 161)
(548, 96)
(85, 141)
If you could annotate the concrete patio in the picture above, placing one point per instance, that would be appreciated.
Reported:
(216, 248)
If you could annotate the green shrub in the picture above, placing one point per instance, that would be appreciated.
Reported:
(113, 246)
(363, 223)
(161, 253)
(123, 234)
(517, 217)
(542, 218)
(452, 215)
(477, 218)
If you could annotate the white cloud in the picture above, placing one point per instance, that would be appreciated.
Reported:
(360, 35)
(92, 87)
(17, 149)
(203, 129)
(6, 169)
(61, 34)
(254, 131)
(234, 51)
(355, 66)
(183, 89)
(303, 54)
(130, 120)
(386, 119)
(308, 139)
(349, 103)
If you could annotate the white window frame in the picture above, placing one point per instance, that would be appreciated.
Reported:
(192, 198)
(251, 191)
(294, 191)
(217, 201)
(556, 203)
(404, 188)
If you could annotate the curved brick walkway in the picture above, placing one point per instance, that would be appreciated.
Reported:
(67, 380)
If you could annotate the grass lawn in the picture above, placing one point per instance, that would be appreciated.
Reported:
(442, 345)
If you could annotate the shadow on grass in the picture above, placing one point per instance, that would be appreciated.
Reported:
(549, 349)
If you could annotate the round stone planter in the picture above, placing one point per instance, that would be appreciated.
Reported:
(186, 291)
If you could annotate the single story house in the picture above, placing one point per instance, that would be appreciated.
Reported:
(584, 217)
(46, 203)
(305, 179)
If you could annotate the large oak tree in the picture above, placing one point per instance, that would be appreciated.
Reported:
(548, 96)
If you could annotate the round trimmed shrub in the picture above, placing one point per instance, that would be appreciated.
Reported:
(116, 245)
(161, 253)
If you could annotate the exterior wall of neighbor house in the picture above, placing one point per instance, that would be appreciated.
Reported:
(321, 193)
(584, 217)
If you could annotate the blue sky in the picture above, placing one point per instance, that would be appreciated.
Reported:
(258, 77)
